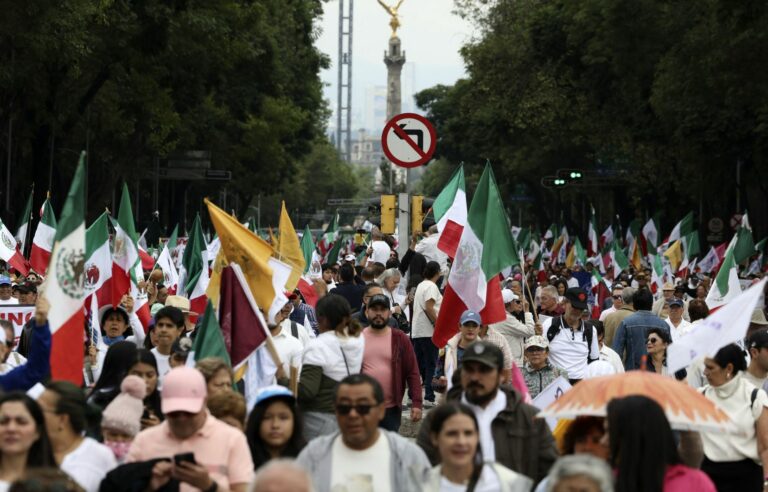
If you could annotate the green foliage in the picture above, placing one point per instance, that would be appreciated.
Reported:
(659, 90)
(139, 80)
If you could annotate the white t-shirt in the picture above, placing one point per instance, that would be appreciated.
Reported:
(288, 348)
(89, 464)
(422, 326)
(609, 355)
(568, 349)
(163, 365)
(680, 330)
(361, 471)
(485, 418)
(489, 482)
(380, 253)
(10, 300)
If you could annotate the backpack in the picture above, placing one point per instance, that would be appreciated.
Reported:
(557, 324)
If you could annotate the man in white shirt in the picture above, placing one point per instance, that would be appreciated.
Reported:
(607, 354)
(288, 347)
(380, 248)
(362, 456)
(6, 291)
(570, 346)
(757, 371)
(678, 327)
(169, 325)
(618, 301)
(426, 304)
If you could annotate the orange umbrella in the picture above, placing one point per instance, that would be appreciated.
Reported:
(686, 408)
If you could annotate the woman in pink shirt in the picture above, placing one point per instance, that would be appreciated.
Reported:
(643, 451)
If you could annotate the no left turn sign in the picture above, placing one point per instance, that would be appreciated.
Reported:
(409, 140)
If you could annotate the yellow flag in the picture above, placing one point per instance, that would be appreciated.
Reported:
(272, 238)
(214, 284)
(289, 249)
(675, 255)
(245, 248)
(637, 258)
(570, 260)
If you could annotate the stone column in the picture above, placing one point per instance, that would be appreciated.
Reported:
(394, 59)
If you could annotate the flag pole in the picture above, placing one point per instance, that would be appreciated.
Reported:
(525, 286)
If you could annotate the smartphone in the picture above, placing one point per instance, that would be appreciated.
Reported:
(182, 457)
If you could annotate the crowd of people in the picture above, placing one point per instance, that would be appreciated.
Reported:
(151, 418)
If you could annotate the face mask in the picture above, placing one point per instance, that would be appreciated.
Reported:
(119, 448)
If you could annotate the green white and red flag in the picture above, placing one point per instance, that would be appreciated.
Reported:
(486, 248)
(193, 278)
(593, 245)
(329, 237)
(681, 229)
(726, 286)
(65, 285)
(42, 244)
(450, 210)
(26, 219)
(166, 264)
(9, 253)
(98, 261)
(125, 250)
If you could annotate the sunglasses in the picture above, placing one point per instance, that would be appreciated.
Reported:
(618, 298)
(361, 409)
(653, 340)
(517, 302)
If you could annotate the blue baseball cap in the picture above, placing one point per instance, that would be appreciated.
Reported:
(472, 316)
(5, 280)
(273, 391)
(676, 302)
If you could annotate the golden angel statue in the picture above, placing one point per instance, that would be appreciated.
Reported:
(394, 22)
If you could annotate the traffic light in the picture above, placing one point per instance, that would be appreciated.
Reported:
(417, 213)
(553, 182)
(570, 174)
(388, 214)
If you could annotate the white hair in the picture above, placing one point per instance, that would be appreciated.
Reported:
(550, 290)
(386, 275)
(581, 465)
(280, 467)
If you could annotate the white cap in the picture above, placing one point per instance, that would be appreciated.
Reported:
(350, 257)
(508, 296)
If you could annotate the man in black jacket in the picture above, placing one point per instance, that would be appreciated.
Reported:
(509, 432)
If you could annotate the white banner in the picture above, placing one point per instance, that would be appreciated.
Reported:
(548, 396)
(17, 314)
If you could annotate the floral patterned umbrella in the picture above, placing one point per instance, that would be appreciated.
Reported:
(686, 408)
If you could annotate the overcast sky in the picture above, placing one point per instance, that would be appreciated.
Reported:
(431, 36)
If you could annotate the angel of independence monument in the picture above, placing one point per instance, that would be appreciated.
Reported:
(394, 59)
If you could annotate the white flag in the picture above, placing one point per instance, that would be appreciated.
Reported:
(727, 325)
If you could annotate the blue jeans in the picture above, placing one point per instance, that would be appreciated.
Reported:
(426, 355)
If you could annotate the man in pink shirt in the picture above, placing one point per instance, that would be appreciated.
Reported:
(222, 461)
(390, 359)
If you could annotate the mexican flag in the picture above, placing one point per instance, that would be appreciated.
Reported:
(329, 236)
(193, 278)
(307, 248)
(681, 229)
(42, 244)
(726, 286)
(209, 340)
(98, 260)
(600, 290)
(593, 245)
(8, 251)
(607, 236)
(651, 233)
(26, 218)
(618, 259)
(486, 248)
(745, 244)
(65, 285)
(450, 209)
(657, 274)
(576, 255)
(165, 262)
(125, 251)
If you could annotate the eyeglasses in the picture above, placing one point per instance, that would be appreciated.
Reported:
(361, 409)
(653, 340)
